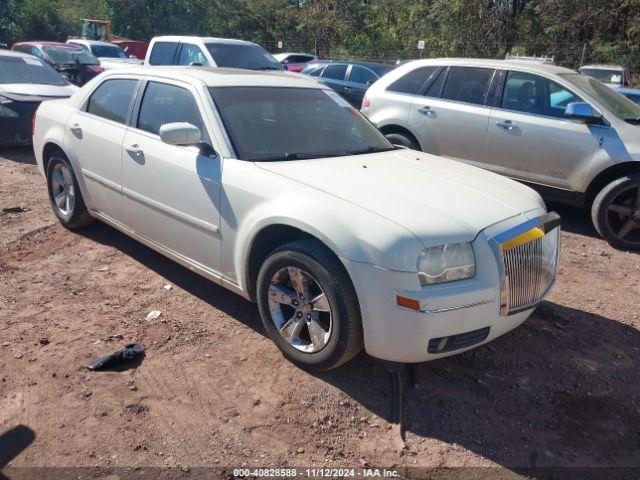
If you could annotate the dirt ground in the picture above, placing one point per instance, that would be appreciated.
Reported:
(213, 391)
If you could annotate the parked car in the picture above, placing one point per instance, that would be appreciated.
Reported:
(566, 134)
(276, 188)
(611, 75)
(74, 63)
(25, 81)
(350, 79)
(632, 94)
(294, 62)
(110, 55)
(209, 52)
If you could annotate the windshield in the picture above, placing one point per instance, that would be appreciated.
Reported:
(618, 104)
(108, 51)
(251, 57)
(28, 70)
(67, 56)
(603, 75)
(273, 123)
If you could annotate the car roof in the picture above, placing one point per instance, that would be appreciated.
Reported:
(481, 62)
(219, 77)
(603, 67)
(90, 42)
(183, 38)
(47, 44)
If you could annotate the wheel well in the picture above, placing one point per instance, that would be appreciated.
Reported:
(387, 129)
(265, 242)
(607, 176)
(47, 151)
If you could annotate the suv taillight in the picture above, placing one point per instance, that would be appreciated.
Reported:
(366, 103)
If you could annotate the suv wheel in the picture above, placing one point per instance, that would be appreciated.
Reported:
(64, 193)
(308, 306)
(404, 140)
(616, 212)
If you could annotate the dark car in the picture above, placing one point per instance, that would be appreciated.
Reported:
(350, 79)
(74, 63)
(25, 81)
(294, 62)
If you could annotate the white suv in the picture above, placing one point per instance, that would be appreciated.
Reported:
(209, 52)
(567, 135)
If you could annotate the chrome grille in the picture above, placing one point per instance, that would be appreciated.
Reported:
(529, 261)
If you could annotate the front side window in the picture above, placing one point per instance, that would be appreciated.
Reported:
(528, 93)
(278, 124)
(467, 84)
(163, 53)
(191, 54)
(413, 81)
(163, 103)
(70, 56)
(334, 72)
(28, 70)
(362, 75)
(112, 99)
(249, 56)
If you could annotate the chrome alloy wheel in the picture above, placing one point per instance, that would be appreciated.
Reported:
(623, 215)
(300, 310)
(62, 189)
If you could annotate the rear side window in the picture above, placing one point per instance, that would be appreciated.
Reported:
(334, 72)
(112, 99)
(467, 84)
(163, 103)
(413, 81)
(163, 53)
(362, 75)
(191, 54)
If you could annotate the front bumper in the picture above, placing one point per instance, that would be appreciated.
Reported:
(467, 311)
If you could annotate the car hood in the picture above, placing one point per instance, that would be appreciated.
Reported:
(34, 91)
(436, 199)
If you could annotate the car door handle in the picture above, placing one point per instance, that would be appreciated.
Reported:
(76, 130)
(348, 90)
(507, 125)
(134, 149)
(426, 110)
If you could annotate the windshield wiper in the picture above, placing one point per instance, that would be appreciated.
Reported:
(633, 120)
(372, 150)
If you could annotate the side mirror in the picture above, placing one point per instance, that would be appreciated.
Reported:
(185, 134)
(582, 111)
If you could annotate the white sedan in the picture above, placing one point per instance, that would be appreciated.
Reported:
(275, 188)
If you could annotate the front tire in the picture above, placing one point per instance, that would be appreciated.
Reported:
(404, 140)
(616, 212)
(308, 306)
(64, 194)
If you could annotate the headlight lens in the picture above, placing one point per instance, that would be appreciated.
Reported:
(446, 263)
(5, 111)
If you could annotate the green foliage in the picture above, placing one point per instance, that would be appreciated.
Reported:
(571, 30)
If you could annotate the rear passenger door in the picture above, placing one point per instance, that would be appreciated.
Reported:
(334, 76)
(451, 116)
(359, 80)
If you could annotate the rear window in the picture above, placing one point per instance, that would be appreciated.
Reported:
(112, 99)
(252, 57)
(413, 81)
(163, 53)
(108, 51)
(467, 84)
(28, 70)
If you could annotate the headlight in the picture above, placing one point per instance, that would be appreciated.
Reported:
(5, 111)
(446, 263)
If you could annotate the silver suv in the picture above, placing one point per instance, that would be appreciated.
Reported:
(568, 135)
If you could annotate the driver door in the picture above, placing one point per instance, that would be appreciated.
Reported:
(172, 193)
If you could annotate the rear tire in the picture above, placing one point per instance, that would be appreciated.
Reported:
(616, 212)
(64, 193)
(404, 140)
(308, 306)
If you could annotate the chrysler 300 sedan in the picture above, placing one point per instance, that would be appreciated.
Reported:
(277, 189)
